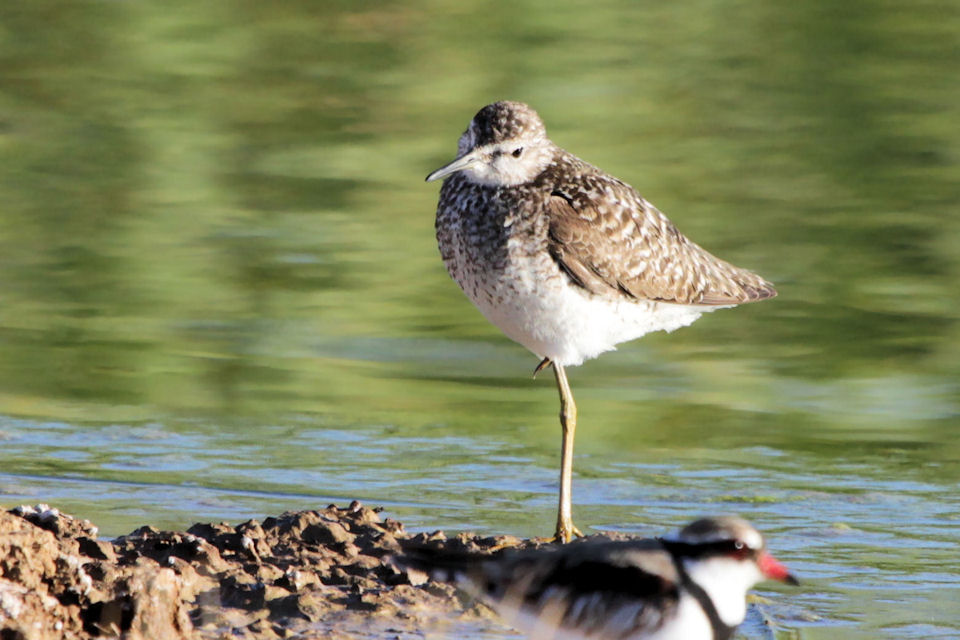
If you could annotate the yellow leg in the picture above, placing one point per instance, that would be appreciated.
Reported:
(568, 422)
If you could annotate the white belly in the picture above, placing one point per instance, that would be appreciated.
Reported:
(689, 623)
(556, 319)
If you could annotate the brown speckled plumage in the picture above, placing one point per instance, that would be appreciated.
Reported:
(611, 241)
(506, 121)
(565, 259)
(571, 225)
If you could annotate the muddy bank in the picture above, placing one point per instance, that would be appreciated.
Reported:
(309, 574)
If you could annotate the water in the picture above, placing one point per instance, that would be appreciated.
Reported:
(221, 296)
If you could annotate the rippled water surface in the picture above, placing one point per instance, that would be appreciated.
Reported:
(221, 298)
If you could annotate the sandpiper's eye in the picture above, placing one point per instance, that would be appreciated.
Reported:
(738, 545)
(517, 152)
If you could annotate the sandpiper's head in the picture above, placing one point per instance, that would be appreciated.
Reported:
(506, 144)
(726, 556)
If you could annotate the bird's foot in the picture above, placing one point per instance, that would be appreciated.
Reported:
(566, 531)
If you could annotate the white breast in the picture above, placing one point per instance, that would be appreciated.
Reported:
(690, 623)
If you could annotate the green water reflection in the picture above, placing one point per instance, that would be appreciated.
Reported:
(219, 271)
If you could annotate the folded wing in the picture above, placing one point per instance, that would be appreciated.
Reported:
(610, 241)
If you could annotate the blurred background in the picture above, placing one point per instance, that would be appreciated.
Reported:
(221, 297)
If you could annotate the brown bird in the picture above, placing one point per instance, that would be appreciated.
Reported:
(566, 259)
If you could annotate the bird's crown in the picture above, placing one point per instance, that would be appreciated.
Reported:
(506, 120)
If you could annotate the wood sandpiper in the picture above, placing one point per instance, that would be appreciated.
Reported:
(566, 259)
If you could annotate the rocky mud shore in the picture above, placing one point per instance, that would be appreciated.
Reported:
(308, 574)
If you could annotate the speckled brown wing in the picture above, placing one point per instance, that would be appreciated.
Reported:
(611, 241)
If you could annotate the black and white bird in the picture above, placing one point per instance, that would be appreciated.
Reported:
(690, 586)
